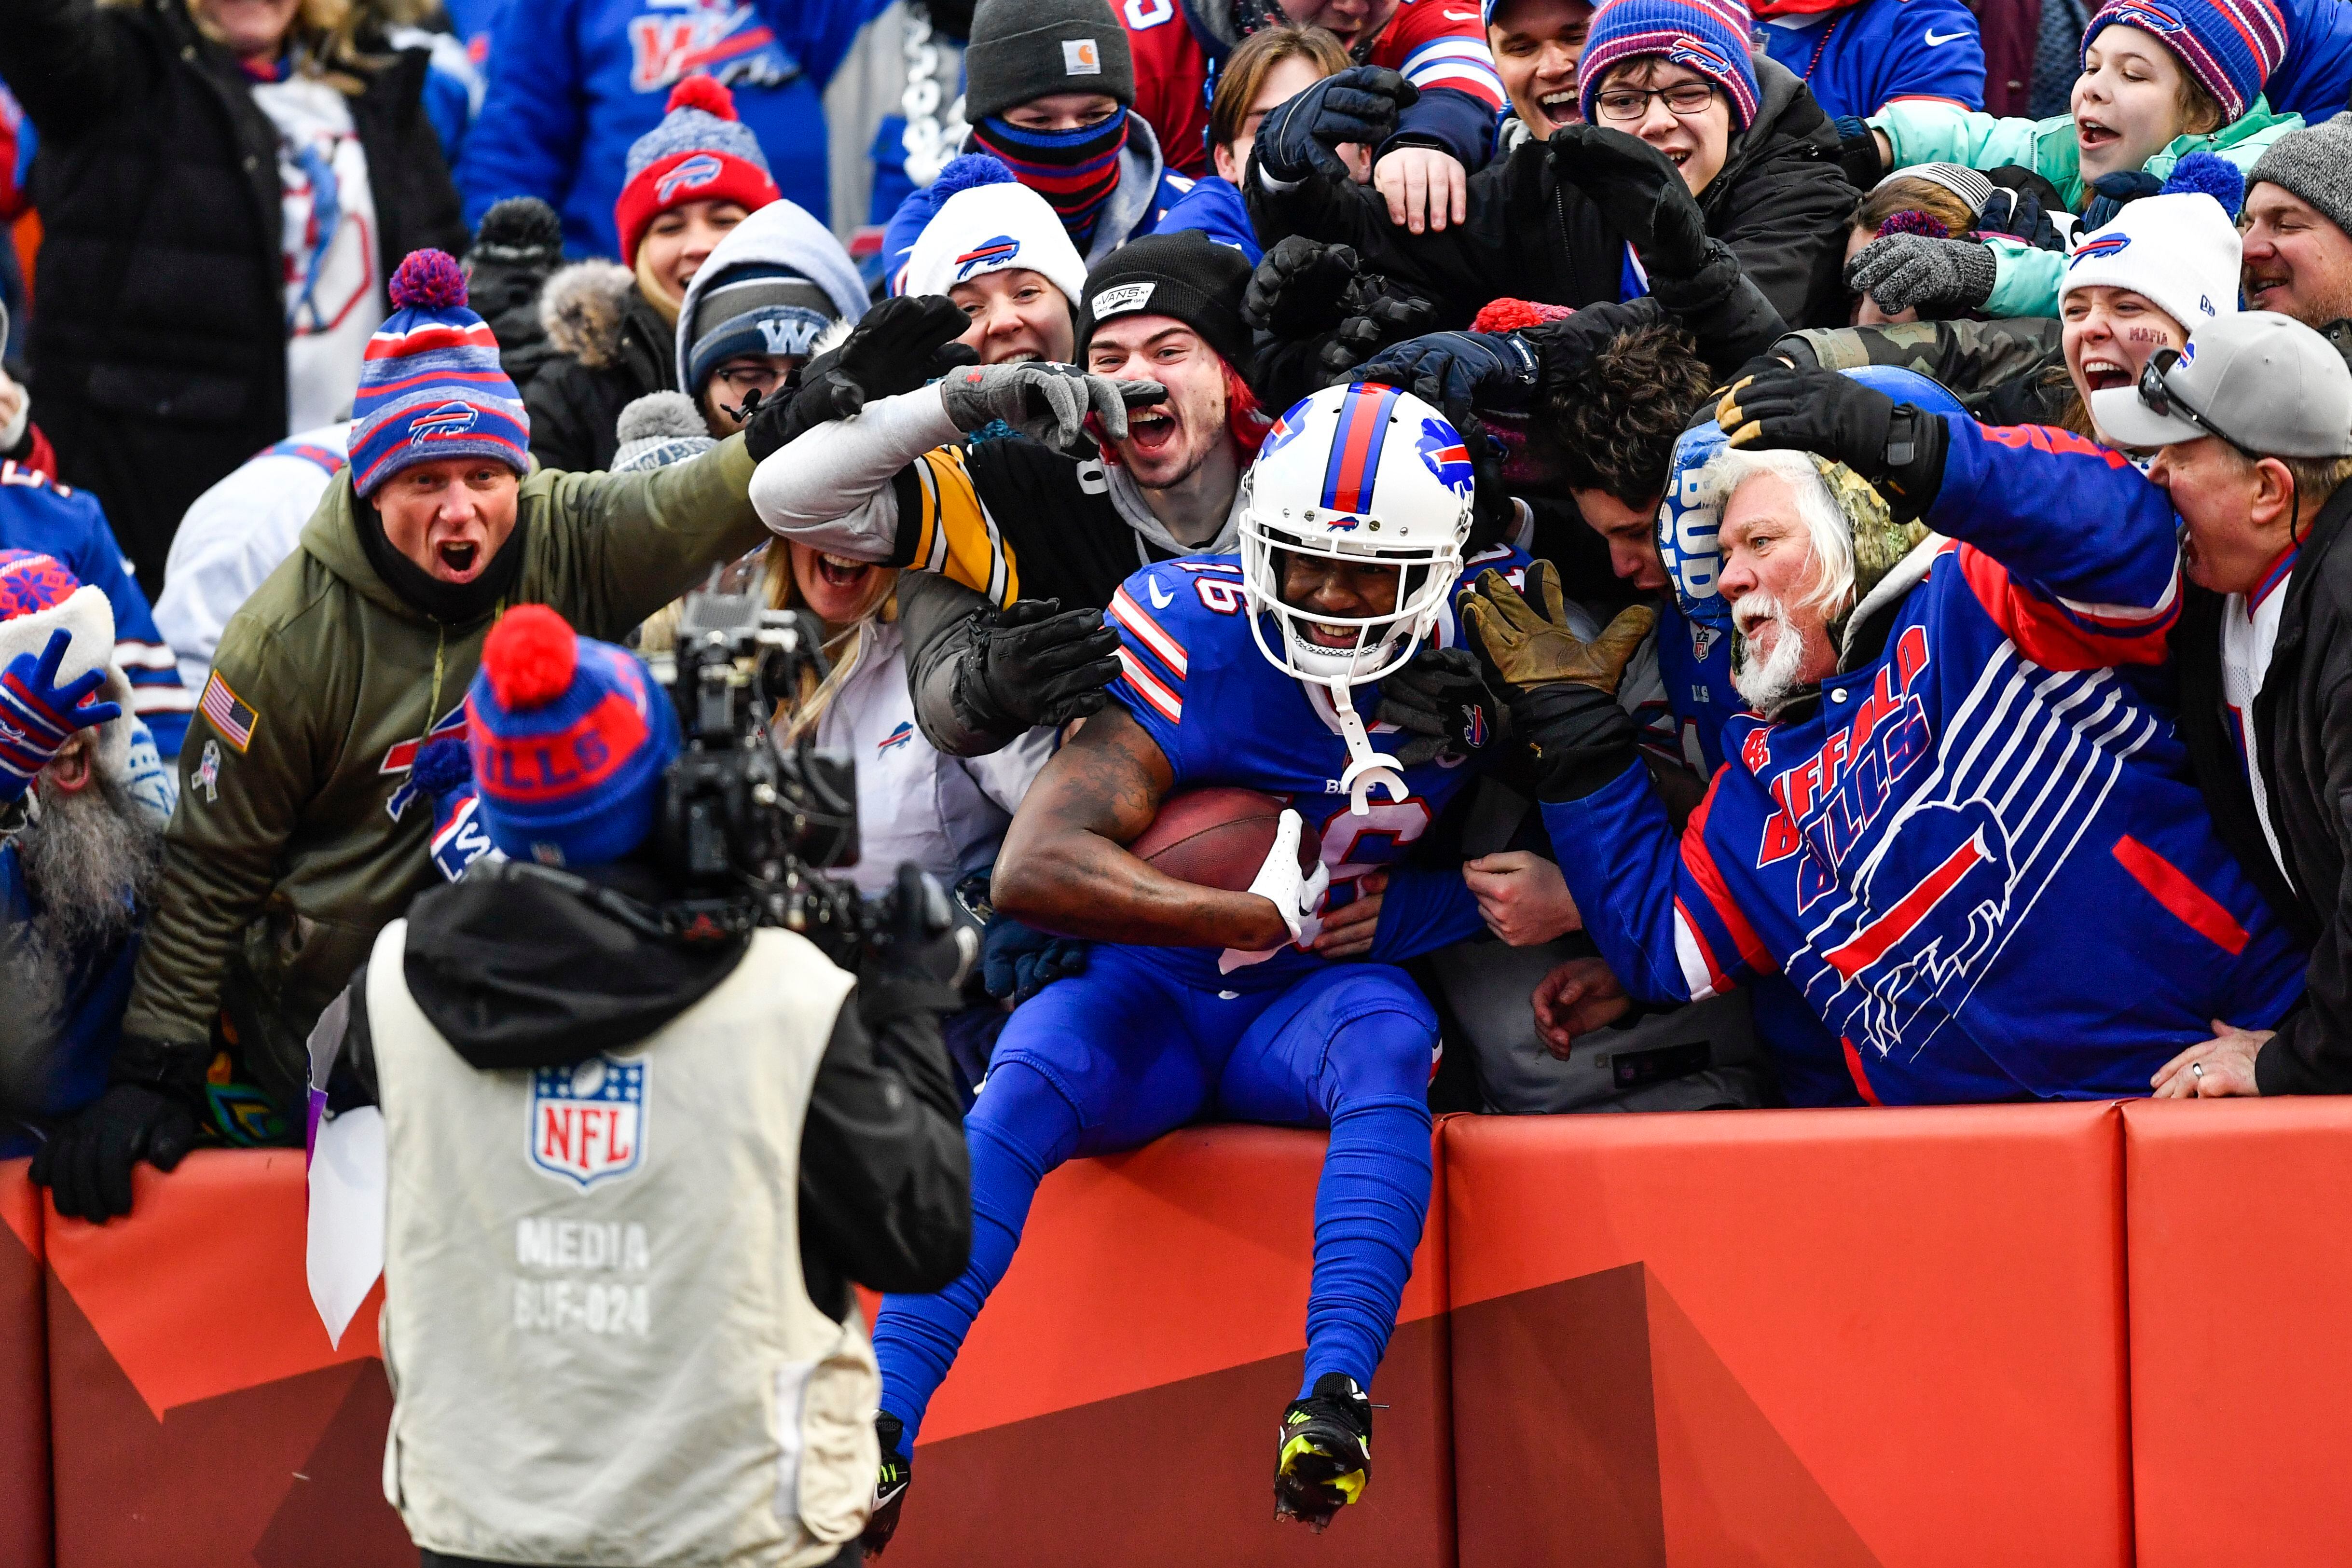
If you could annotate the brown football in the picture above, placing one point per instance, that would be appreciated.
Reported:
(1218, 838)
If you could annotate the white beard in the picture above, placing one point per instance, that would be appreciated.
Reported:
(1768, 686)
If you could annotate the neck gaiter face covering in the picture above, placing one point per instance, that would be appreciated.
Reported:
(1074, 170)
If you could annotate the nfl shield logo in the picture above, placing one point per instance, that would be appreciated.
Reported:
(588, 1120)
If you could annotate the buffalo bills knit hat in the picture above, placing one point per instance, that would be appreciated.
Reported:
(1186, 276)
(982, 221)
(658, 429)
(38, 596)
(1024, 49)
(570, 737)
(2179, 250)
(2230, 47)
(699, 152)
(1710, 37)
(431, 386)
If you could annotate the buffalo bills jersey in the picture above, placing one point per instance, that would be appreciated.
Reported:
(1192, 675)
(69, 526)
(1860, 58)
(1981, 858)
(1439, 45)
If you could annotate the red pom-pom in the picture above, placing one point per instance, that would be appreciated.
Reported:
(529, 657)
(1510, 315)
(428, 280)
(706, 93)
(1914, 222)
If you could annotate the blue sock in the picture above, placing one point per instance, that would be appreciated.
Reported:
(1369, 1209)
(1020, 1128)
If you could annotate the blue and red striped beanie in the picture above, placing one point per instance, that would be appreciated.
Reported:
(2230, 47)
(1710, 37)
(569, 737)
(431, 386)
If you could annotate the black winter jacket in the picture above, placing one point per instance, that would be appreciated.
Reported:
(515, 971)
(2303, 717)
(1781, 203)
(609, 347)
(159, 348)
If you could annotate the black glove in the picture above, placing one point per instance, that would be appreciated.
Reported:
(899, 345)
(1461, 373)
(1898, 448)
(1018, 961)
(2021, 206)
(1378, 314)
(1566, 349)
(1035, 663)
(1858, 152)
(1300, 288)
(1638, 190)
(919, 956)
(1360, 104)
(1441, 697)
(86, 1163)
(2114, 191)
(1580, 738)
(1494, 515)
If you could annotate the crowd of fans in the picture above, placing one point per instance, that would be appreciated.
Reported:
(1966, 727)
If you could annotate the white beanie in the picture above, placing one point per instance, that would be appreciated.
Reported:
(990, 228)
(38, 596)
(2179, 250)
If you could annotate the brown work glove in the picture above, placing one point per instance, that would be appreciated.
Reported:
(1560, 689)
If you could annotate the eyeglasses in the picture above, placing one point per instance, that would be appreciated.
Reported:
(742, 378)
(2161, 399)
(1684, 99)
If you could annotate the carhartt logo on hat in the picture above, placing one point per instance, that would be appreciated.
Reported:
(1119, 301)
(1080, 58)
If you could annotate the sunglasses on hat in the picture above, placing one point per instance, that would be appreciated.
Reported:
(2163, 400)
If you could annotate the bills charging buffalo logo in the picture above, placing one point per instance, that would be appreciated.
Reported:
(1698, 57)
(1442, 450)
(588, 1119)
(691, 175)
(2097, 249)
(896, 740)
(402, 758)
(997, 252)
(1473, 726)
(449, 419)
(2146, 16)
(1283, 432)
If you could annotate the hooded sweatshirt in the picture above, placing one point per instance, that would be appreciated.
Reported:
(299, 835)
(780, 235)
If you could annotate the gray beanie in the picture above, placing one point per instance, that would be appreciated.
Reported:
(1023, 49)
(658, 429)
(2315, 163)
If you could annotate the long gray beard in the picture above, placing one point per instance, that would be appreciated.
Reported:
(89, 862)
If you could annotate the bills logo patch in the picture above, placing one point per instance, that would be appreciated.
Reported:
(997, 252)
(1443, 454)
(402, 757)
(588, 1120)
(1284, 431)
(442, 423)
(1700, 57)
(2097, 250)
(896, 740)
(691, 175)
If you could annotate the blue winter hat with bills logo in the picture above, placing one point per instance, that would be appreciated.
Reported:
(1710, 37)
(431, 386)
(569, 738)
(2230, 47)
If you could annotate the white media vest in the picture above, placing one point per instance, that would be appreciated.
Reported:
(601, 1347)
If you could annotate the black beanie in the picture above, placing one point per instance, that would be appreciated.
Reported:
(1185, 275)
(1023, 49)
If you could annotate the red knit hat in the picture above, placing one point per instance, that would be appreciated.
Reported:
(699, 152)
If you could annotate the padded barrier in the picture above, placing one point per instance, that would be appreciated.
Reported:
(1811, 1338)
(23, 1375)
(2240, 1248)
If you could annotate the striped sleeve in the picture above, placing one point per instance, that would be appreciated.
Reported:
(1154, 665)
(945, 526)
(1442, 44)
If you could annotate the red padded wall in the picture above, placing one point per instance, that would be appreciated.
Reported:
(23, 1375)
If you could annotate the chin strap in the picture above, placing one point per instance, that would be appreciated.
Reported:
(1366, 767)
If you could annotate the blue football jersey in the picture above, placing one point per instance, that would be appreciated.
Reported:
(1193, 677)
(1864, 57)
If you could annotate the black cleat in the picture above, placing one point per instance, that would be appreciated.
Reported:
(1326, 1453)
(889, 1484)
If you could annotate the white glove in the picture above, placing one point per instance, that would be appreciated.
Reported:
(1297, 895)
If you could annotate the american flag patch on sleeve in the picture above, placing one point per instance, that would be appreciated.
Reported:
(229, 714)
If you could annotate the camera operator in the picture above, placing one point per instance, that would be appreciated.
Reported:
(637, 1344)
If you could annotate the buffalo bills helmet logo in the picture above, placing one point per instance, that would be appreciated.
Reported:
(440, 424)
(693, 175)
(2097, 248)
(992, 253)
(1473, 726)
(1442, 450)
(1284, 430)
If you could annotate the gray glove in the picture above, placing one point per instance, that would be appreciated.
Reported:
(1906, 269)
(1046, 402)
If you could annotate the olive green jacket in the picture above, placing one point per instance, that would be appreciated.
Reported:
(292, 845)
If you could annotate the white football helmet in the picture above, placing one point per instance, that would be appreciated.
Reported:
(1363, 473)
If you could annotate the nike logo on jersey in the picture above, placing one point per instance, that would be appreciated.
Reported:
(1934, 38)
(1161, 597)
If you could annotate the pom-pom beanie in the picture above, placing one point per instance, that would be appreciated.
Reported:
(431, 385)
(1710, 37)
(986, 221)
(699, 152)
(658, 429)
(2179, 250)
(2230, 47)
(569, 737)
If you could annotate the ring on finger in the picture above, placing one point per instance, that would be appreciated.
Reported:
(2197, 1069)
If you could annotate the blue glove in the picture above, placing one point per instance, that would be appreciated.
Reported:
(1461, 373)
(37, 716)
(1358, 105)
(1016, 962)
(2111, 193)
